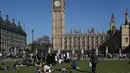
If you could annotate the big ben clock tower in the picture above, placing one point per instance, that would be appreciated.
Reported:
(58, 11)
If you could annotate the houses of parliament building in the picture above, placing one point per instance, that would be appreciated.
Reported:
(74, 39)
(84, 40)
(12, 36)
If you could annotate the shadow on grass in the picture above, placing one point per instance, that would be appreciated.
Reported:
(83, 71)
(69, 70)
(128, 62)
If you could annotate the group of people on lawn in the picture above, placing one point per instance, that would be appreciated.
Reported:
(47, 68)
(52, 59)
(12, 68)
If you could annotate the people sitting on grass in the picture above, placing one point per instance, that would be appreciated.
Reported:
(67, 57)
(38, 64)
(1, 68)
(47, 67)
(63, 70)
(60, 61)
(27, 62)
(5, 68)
(74, 66)
(78, 57)
(47, 71)
(14, 66)
(38, 70)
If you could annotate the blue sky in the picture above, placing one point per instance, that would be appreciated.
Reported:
(79, 14)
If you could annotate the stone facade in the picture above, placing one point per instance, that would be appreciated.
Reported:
(11, 36)
(79, 40)
(71, 40)
(125, 32)
(58, 17)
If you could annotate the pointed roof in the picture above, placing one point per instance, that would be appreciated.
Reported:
(88, 30)
(13, 22)
(79, 30)
(84, 31)
(1, 19)
(74, 30)
(19, 25)
(93, 30)
(126, 17)
(6, 21)
(0, 13)
(112, 18)
(7, 17)
(127, 11)
(70, 30)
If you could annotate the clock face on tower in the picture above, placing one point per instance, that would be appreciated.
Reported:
(57, 3)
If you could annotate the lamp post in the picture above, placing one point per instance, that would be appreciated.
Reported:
(32, 39)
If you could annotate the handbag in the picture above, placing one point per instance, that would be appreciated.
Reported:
(90, 64)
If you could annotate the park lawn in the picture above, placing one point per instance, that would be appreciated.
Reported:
(104, 66)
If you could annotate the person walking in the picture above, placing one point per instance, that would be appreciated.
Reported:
(94, 60)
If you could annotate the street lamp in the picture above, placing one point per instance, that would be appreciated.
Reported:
(32, 38)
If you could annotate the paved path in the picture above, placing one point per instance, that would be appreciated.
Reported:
(9, 59)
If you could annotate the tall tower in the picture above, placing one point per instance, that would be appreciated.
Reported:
(125, 32)
(58, 16)
(112, 25)
(126, 17)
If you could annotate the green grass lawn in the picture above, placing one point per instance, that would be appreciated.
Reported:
(109, 66)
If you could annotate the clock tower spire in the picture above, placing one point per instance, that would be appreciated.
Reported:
(58, 16)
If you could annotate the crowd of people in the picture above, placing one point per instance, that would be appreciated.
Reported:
(47, 61)
(50, 60)
(65, 58)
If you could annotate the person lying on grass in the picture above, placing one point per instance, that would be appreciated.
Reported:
(47, 71)
(47, 67)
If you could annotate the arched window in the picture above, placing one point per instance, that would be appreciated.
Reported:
(126, 39)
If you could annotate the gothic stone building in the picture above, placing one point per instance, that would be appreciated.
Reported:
(125, 32)
(73, 40)
(11, 35)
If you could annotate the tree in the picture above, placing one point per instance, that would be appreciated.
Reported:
(114, 41)
(42, 43)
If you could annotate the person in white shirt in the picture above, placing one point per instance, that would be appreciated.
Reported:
(60, 61)
(47, 67)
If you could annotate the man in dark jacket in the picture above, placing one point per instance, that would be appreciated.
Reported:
(49, 59)
(94, 61)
